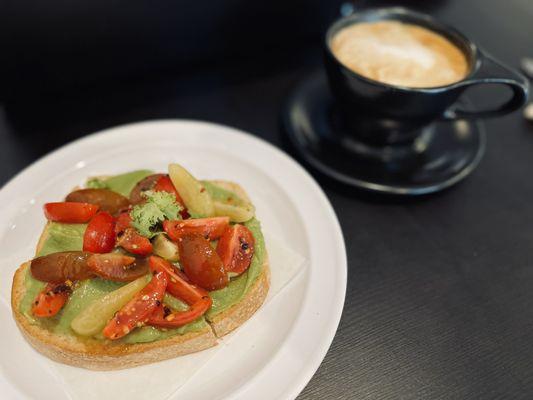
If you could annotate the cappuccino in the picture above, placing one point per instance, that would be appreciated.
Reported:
(399, 54)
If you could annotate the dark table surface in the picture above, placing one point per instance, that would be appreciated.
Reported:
(439, 302)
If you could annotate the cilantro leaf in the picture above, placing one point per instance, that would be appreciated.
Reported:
(158, 207)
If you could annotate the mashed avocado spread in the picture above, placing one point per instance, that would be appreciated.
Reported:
(69, 237)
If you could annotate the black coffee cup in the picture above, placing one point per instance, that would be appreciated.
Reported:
(380, 114)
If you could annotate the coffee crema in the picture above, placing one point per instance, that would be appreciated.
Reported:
(399, 54)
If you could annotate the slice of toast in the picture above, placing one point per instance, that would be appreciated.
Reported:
(99, 355)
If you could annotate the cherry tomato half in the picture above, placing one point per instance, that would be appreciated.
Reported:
(211, 228)
(163, 317)
(107, 200)
(201, 263)
(133, 242)
(138, 309)
(61, 266)
(123, 221)
(236, 248)
(70, 212)
(164, 184)
(51, 300)
(136, 194)
(117, 267)
(178, 284)
(179, 287)
(100, 234)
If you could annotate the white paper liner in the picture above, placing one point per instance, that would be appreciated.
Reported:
(161, 380)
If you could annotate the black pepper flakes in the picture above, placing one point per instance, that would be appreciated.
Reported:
(61, 289)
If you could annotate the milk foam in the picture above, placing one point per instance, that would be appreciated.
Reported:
(399, 54)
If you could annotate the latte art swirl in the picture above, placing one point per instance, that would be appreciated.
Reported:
(399, 54)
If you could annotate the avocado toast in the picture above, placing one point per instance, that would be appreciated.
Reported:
(109, 298)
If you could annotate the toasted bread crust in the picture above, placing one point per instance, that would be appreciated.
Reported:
(230, 319)
(99, 355)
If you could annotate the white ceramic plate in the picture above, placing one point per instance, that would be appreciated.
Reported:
(298, 325)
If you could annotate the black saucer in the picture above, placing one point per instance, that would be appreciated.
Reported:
(445, 153)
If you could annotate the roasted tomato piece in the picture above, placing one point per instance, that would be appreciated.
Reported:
(100, 234)
(51, 300)
(142, 186)
(123, 221)
(131, 241)
(236, 248)
(117, 267)
(62, 266)
(164, 317)
(107, 200)
(210, 228)
(138, 309)
(201, 263)
(178, 284)
(69, 212)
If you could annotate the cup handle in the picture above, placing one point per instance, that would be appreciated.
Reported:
(486, 73)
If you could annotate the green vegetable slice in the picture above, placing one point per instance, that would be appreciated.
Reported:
(196, 198)
(235, 213)
(94, 317)
(165, 248)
